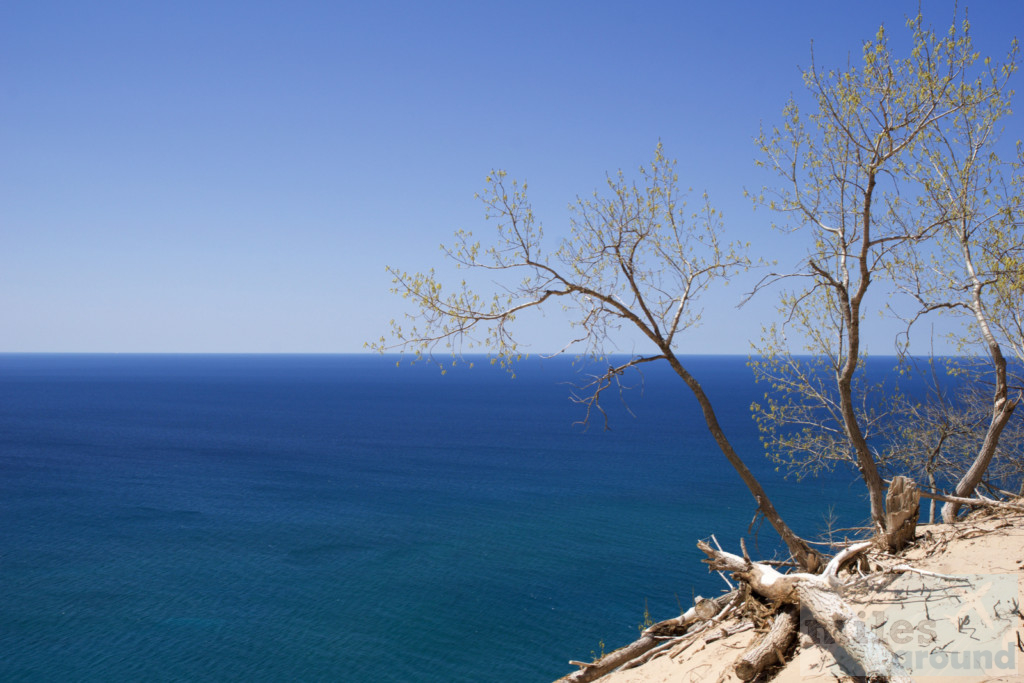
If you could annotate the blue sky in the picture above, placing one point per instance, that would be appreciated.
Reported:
(234, 176)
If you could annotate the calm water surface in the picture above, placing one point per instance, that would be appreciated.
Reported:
(281, 518)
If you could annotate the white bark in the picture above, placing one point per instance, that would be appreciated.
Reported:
(819, 595)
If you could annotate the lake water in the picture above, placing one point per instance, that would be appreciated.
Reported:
(335, 518)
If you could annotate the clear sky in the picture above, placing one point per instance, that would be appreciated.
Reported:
(233, 176)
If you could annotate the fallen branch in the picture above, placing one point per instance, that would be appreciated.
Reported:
(650, 654)
(976, 502)
(591, 671)
(907, 569)
(768, 650)
(726, 631)
(724, 577)
(846, 555)
(704, 609)
(651, 637)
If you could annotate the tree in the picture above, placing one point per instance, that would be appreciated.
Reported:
(1004, 258)
(852, 180)
(969, 266)
(634, 258)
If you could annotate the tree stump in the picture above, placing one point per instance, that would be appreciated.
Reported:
(902, 510)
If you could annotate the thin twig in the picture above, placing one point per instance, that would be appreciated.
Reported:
(722, 574)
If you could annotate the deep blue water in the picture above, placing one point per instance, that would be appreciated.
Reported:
(335, 518)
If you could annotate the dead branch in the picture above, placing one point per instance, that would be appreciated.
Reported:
(770, 648)
(652, 637)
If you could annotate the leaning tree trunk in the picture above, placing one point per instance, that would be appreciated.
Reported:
(965, 487)
(808, 558)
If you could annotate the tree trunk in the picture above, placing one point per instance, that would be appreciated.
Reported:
(902, 510)
(965, 487)
(808, 558)
(865, 461)
(850, 308)
(931, 503)
(855, 637)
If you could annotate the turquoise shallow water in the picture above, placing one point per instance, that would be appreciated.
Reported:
(280, 518)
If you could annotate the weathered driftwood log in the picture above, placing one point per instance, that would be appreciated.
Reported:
(902, 509)
(651, 637)
(593, 670)
(818, 594)
(769, 648)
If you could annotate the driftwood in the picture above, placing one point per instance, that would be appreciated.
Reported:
(650, 638)
(703, 609)
(591, 671)
(768, 650)
(818, 593)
